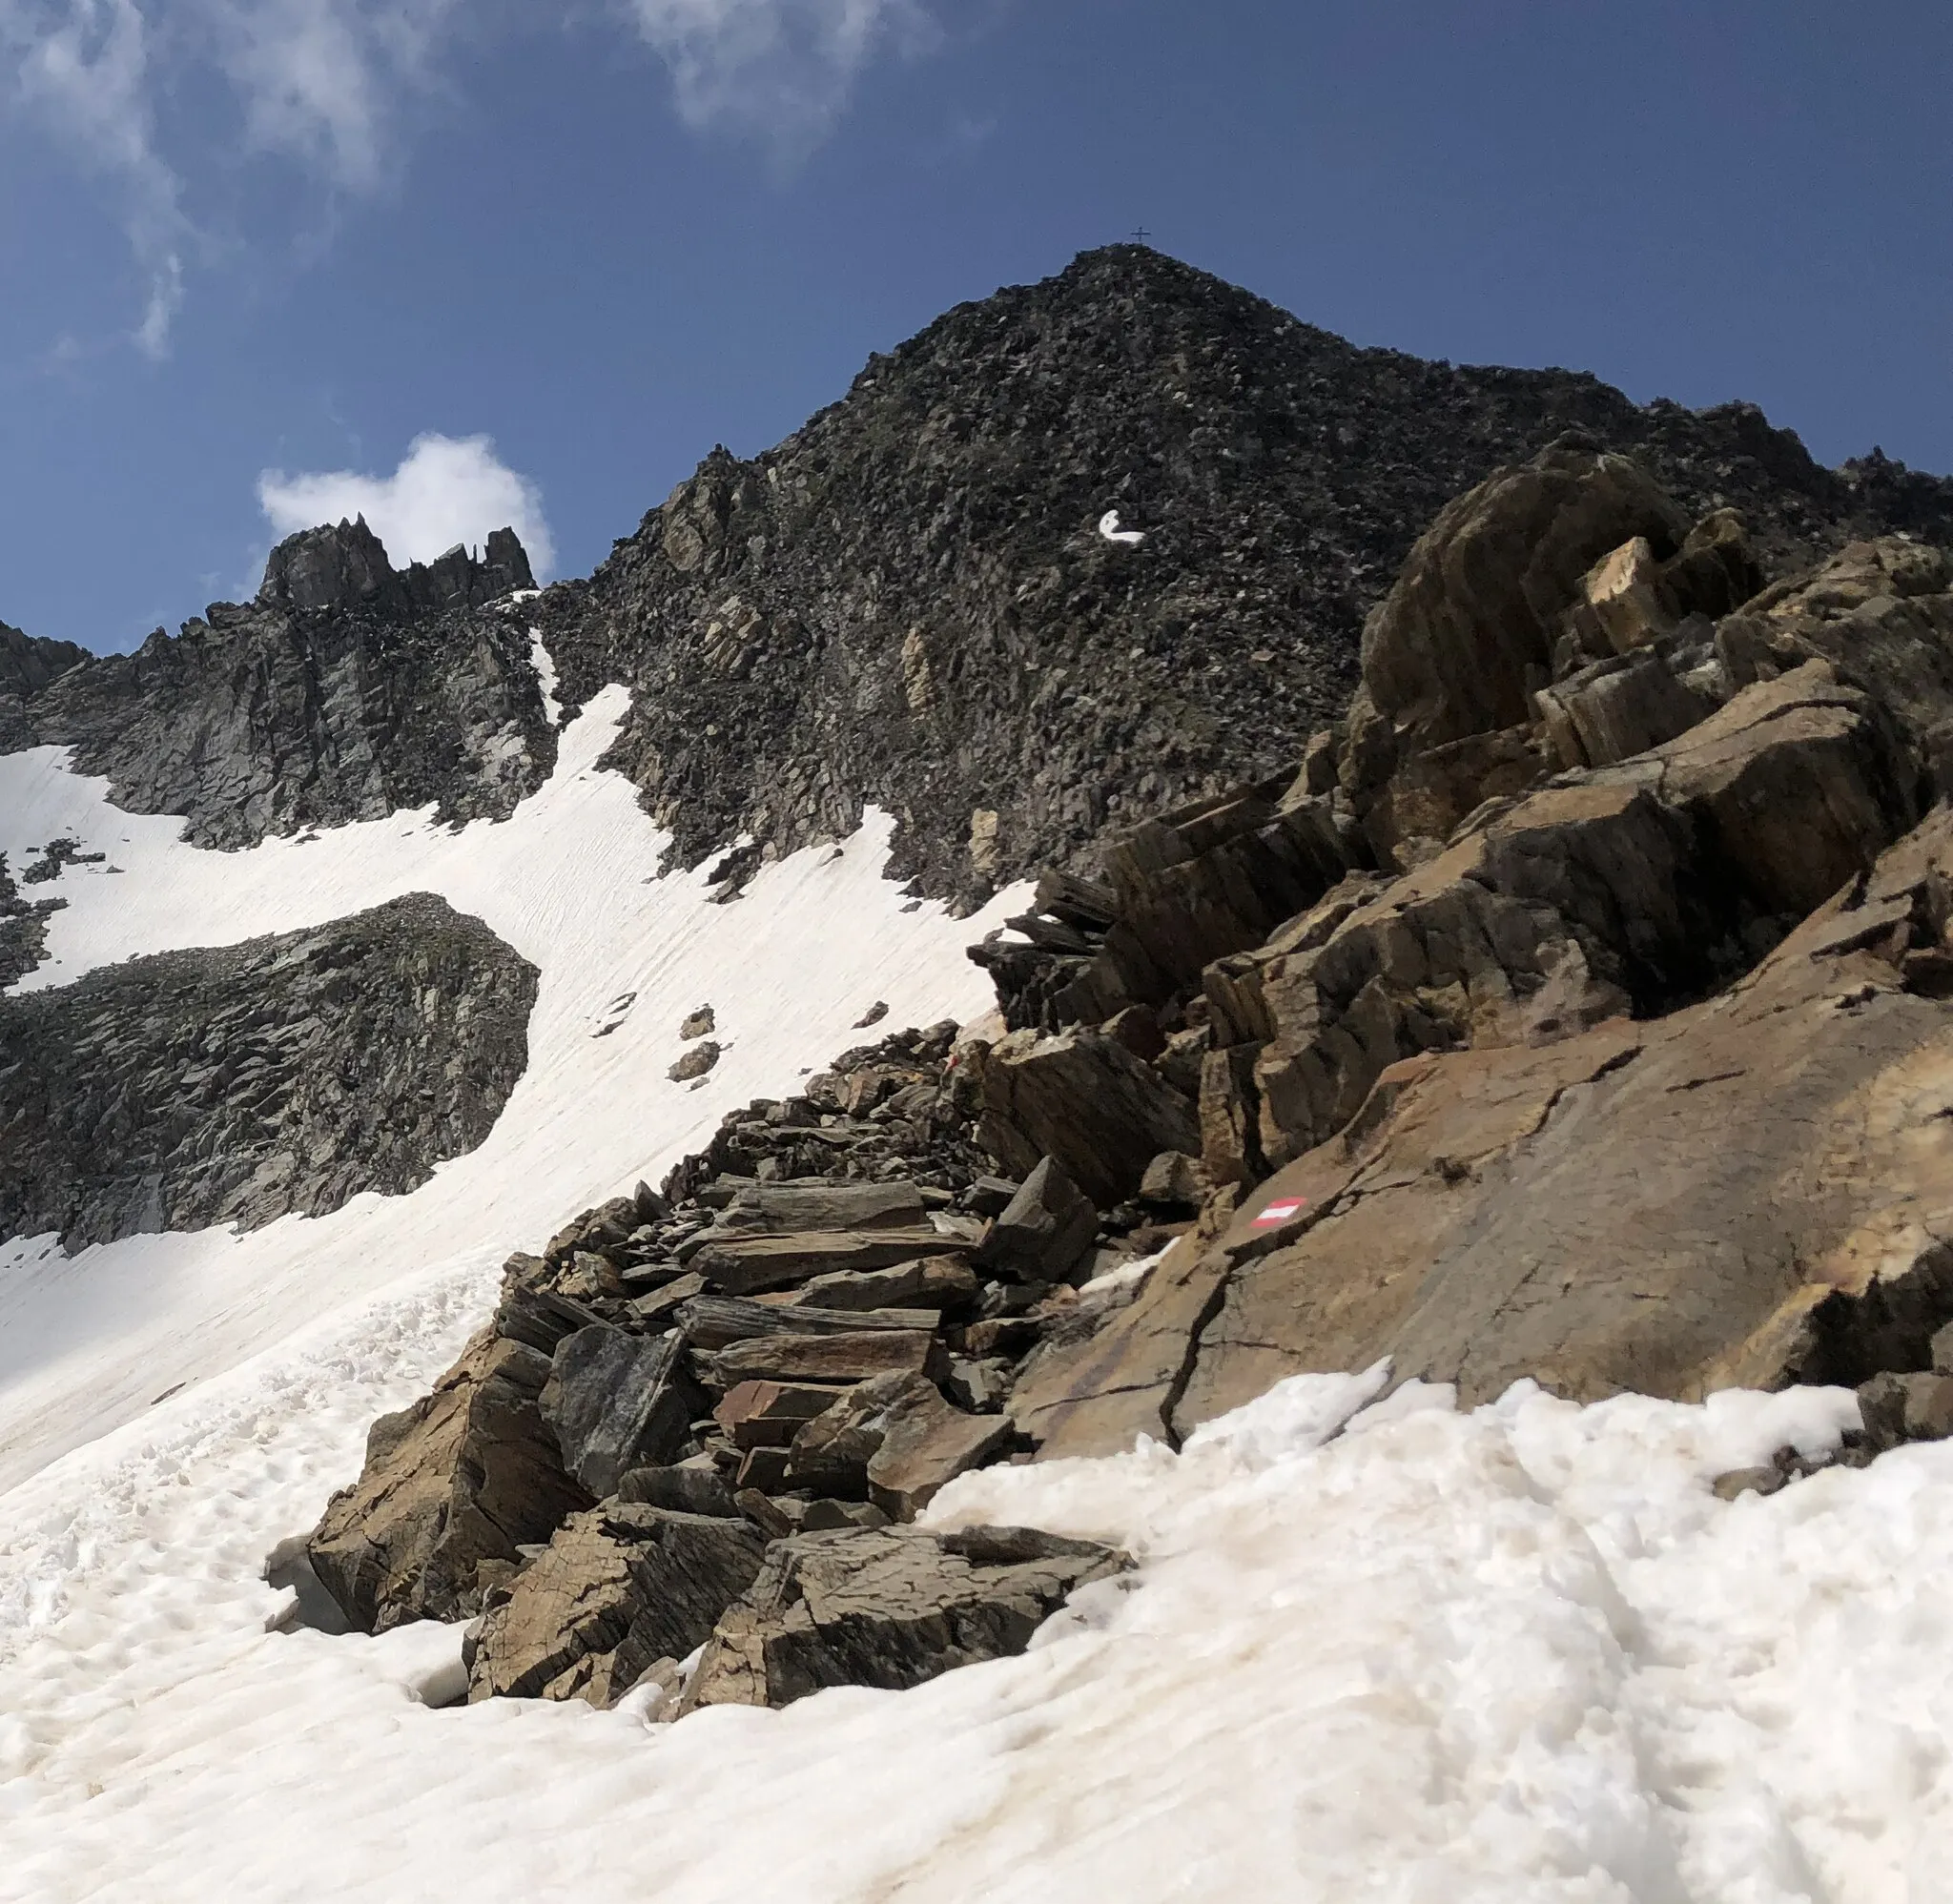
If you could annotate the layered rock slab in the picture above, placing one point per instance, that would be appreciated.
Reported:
(1747, 1192)
(889, 1607)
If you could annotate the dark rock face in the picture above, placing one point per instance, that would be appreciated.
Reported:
(27, 667)
(346, 691)
(23, 928)
(235, 1085)
(909, 602)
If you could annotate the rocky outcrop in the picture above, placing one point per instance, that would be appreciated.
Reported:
(347, 691)
(239, 1084)
(1576, 1010)
(1629, 1085)
(909, 602)
(695, 1352)
(889, 1607)
(28, 665)
(618, 1589)
(453, 1489)
(23, 928)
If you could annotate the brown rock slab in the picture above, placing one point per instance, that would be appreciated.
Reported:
(747, 1265)
(928, 1283)
(925, 1446)
(1087, 1101)
(1044, 1229)
(715, 1321)
(825, 1359)
(617, 1589)
(468, 1474)
(769, 1414)
(888, 1607)
(792, 1208)
(831, 1454)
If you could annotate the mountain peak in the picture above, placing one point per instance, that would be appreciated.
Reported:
(343, 565)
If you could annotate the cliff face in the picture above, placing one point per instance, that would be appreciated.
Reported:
(27, 667)
(235, 1085)
(909, 602)
(345, 691)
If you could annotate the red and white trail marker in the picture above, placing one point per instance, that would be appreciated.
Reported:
(1280, 1211)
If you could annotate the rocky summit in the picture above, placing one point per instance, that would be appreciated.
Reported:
(345, 691)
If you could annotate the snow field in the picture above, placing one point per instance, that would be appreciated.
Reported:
(1521, 1655)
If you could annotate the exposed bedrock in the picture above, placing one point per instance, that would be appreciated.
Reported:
(238, 1084)
(1579, 1009)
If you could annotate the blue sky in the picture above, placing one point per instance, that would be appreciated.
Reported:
(251, 243)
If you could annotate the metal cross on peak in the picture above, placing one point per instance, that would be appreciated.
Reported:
(1140, 236)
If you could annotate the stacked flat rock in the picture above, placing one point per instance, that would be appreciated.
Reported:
(683, 1376)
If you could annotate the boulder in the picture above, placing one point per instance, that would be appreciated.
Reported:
(889, 1607)
(1628, 597)
(469, 1474)
(831, 1454)
(696, 1062)
(617, 1589)
(617, 1401)
(1043, 1230)
(1174, 1180)
(690, 1487)
(1084, 1099)
(925, 1444)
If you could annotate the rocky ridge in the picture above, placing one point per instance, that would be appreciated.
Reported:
(239, 1084)
(347, 691)
(1579, 1006)
(28, 665)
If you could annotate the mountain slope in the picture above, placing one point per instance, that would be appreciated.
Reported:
(908, 603)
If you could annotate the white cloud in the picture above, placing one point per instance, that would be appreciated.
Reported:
(320, 78)
(326, 83)
(447, 490)
(782, 68)
(82, 69)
